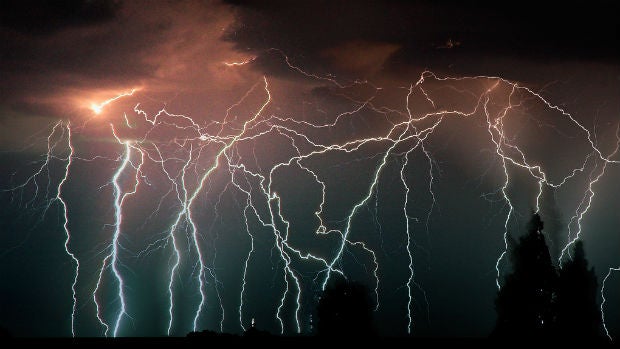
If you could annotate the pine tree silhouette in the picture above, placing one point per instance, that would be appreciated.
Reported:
(554, 224)
(576, 305)
(524, 302)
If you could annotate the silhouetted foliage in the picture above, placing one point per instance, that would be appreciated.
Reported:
(578, 314)
(524, 302)
(345, 309)
(537, 301)
(254, 332)
(210, 334)
(555, 227)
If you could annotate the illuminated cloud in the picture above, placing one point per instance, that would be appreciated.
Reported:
(215, 162)
(360, 58)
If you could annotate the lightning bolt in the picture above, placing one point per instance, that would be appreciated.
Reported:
(64, 128)
(119, 199)
(586, 201)
(97, 108)
(609, 272)
(240, 63)
(65, 226)
(197, 152)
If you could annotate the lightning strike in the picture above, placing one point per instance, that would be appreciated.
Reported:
(609, 272)
(97, 108)
(65, 226)
(204, 153)
(240, 63)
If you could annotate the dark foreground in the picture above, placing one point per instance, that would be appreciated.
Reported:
(226, 342)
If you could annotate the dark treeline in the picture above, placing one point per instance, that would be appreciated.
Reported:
(539, 300)
(536, 301)
(345, 309)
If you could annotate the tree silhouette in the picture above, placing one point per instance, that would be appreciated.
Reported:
(345, 309)
(554, 223)
(577, 310)
(524, 302)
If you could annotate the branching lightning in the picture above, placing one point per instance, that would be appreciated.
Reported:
(64, 129)
(204, 153)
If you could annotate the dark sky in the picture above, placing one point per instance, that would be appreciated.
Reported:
(60, 58)
(72, 44)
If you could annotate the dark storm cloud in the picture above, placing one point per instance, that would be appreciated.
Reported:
(427, 32)
(54, 52)
(50, 46)
(60, 47)
(27, 27)
(43, 17)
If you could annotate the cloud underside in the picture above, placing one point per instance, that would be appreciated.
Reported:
(60, 55)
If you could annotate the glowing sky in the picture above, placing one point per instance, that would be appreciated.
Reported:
(212, 156)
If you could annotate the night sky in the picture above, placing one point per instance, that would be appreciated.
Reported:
(230, 158)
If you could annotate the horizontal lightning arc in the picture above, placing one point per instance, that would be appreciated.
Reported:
(97, 108)
(238, 64)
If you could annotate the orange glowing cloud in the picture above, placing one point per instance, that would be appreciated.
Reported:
(361, 57)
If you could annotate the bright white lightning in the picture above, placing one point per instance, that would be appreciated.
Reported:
(605, 300)
(408, 246)
(402, 139)
(97, 108)
(240, 63)
(65, 226)
(118, 212)
(586, 201)
(113, 256)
